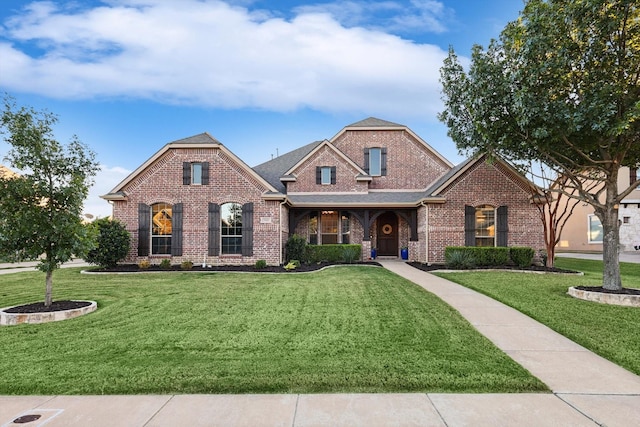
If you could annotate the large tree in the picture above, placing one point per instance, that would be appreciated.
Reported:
(40, 210)
(561, 86)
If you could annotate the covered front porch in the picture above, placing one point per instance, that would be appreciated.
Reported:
(387, 230)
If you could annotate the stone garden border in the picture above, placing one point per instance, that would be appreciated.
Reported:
(9, 319)
(626, 300)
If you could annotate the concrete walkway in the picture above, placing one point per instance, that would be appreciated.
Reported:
(587, 389)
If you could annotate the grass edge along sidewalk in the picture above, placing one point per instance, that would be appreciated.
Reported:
(345, 329)
(609, 331)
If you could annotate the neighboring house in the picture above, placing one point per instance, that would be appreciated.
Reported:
(583, 231)
(375, 183)
(5, 172)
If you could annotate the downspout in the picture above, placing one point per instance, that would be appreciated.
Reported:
(426, 231)
(280, 230)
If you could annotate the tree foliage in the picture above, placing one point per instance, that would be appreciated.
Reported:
(40, 210)
(112, 243)
(560, 86)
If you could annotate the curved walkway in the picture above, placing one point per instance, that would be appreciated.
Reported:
(587, 389)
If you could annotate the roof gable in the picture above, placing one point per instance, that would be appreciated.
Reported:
(202, 140)
(437, 188)
(373, 123)
(327, 145)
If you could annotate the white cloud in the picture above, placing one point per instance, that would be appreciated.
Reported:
(105, 181)
(415, 16)
(210, 53)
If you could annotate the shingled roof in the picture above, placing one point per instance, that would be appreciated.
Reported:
(374, 122)
(274, 169)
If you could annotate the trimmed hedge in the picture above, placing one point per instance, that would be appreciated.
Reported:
(333, 253)
(488, 256)
(521, 256)
(482, 256)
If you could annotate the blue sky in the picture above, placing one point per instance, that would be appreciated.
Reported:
(263, 77)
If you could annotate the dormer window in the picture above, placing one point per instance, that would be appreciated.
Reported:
(325, 175)
(375, 161)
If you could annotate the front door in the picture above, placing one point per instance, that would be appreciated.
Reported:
(387, 234)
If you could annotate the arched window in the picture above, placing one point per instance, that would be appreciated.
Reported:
(231, 228)
(161, 228)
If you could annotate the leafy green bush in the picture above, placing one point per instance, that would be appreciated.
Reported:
(260, 264)
(459, 259)
(165, 264)
(112, 243)
(483, 256)
(350, 254)
(296, 248)
(332, 253)
(521, 256)
(186, 265)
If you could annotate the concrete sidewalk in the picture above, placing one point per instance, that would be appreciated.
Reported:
(8, 268)
(587, 389)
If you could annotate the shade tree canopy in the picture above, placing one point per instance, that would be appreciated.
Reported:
(560, 86)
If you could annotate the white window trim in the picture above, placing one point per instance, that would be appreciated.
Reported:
(589, 241)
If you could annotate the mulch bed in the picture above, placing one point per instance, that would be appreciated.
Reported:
(39, 307)
(303, 268)
(433, 267)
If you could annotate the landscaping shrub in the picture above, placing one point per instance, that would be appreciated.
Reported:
(482, 256)
(143, 265)
(350, 254)
(459, 259)
(296, 248)
(186, 265)
(332, 253)
(521, 256)
(165, 264)
(260, 264)
(112, 243)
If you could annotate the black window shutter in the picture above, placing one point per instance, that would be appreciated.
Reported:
(186, 173)
(247, 229)
(176, 230)
(144, 222)
(633, 175)
(205, 173)
(214, 229)
(366, 160)
(318, 175)
(469, 225)
(333, 174)
(502, 227)
(383, 161)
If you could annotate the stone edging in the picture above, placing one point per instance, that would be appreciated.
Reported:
(606, 298)
(9, 319)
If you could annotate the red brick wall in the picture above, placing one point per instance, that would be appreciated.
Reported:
(228, 182)
(483, 184)
(410, 165)
(345, 175)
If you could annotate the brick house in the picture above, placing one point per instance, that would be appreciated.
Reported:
(375, 183)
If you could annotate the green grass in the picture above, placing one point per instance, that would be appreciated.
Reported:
(346, 329)
(610, 331)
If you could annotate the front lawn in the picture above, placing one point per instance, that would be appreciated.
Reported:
(345, 329)
(610, 331)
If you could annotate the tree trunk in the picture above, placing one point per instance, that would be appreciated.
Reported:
(48, 294)
(611, 241)
(551, 254)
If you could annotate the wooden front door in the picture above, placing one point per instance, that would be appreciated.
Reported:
(387, 234)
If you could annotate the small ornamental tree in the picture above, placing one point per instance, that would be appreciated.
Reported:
(112, 243)
(40, 210)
